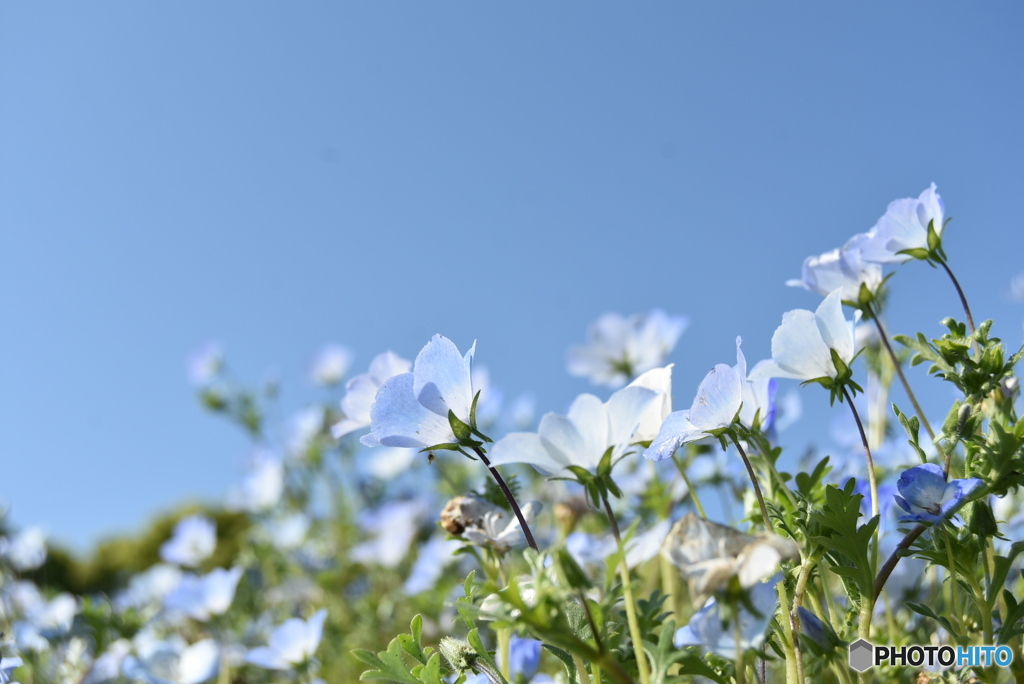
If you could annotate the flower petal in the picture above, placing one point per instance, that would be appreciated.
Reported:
(718, 398)
(675, 431)
(798, 350)
(525, 447)
(398, 419)
(834, 328)
(626, 409)
(442, 379)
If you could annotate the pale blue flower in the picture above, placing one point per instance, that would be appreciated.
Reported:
(261, 487)
(926, 495)
(904, 226)
(843, 269)
(193, 540)
(203, 597)
(801, 346)
(591, 427)
(392, 527)
(292, 643)
(330, 364)
(707, 630)
(620, 348)
(411, 410)
(7, 666)
(25, 550)
(361, 390)
(433, 557)
(523, 658)
(171, 661)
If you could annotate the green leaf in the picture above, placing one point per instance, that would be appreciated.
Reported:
(566, 658)
(462, 431)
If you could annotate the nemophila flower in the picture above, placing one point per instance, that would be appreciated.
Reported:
(620, 348)
(171, 661)
(707, 630)
(303, 429)
(25, 550)
(927, 497)
(204, 363)
(7, 666)
(107, 665)
(149, 587)
(193, 540)
(412, 409)
(904, 227)
(710, 555)
(361, 390)
(431, 560)
(583, 436)
(261, 487)
(807, 344)
(291, 644)
(844, 269)
(523, 658)
(393, 526)
(287, 532)
(500, 530)
(330, 364)
(201, 597)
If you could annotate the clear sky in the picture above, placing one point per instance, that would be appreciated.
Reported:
(282, 175)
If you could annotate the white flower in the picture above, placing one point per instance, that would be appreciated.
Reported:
(362, 389)
(262, 486)
(203, 597)
(393, 526)
(411, 410)
(843, 269)
(293, 643)
(288, 532)
(708, 630)
(620, 348)
(194, 539)
(710, 554)
(582, 437)
(500, 529)
(26, 550)
(437, 553)
(107, 666)
(204, 363)
(801, 345)
(904, 226)
(150, 586)
(171, 661)
(330, 364)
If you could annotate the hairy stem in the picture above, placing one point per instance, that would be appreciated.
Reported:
(890, 563)
(510, 498)
(899, 372)
(872, 481)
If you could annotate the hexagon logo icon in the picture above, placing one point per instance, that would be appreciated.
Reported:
(861, 655)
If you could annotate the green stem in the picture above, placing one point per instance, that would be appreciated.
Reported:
(689, 487)
(953, 593)
(504, 648)
(872, 480)
(741, 668)
(510, 498)
(581, 669)
(794, 660)
(627, 596)
(757, 487)
(899, 372)
(959, 291)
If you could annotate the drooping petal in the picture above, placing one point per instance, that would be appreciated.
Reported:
(525, 447)
(718, 398)
(397, 419)
(442, 379)
(675, 431)
(834, 328)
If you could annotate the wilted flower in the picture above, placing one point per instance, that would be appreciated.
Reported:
(591, 427)
(362, 389)
(843, 269)
(193, 540)
(710, 555)
(620, 348)
(203, 597)
(904, 226)
(293, 643)
(707, 630)
(261, 487)
(926, 495)
(802, 346)
(330, 364)
(412, 409)
(26, 550)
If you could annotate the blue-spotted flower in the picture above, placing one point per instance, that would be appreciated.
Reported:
(413, 409)
(707, 630)
(619, 348)
(905, 226)
(928, 498)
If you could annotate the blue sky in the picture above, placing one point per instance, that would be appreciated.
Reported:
(282, 175)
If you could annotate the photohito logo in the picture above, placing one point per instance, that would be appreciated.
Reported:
(865, 655)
